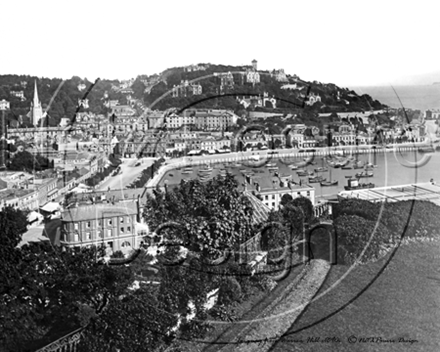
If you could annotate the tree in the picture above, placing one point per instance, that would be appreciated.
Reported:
(25, 161)
(131, 323)
(306, 206)
(215, 215)
(45, 292)
(356, 234)
(286, 198)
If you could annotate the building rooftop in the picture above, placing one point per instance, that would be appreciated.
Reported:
(420, 191)
(261, 211)
(99, 211)
(14, 193)
(111, 195)
(273, 183)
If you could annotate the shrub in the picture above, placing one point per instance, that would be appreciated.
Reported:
(267, 283)
(230, 291)
(117, 254)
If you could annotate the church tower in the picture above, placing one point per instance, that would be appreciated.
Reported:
(36, 109)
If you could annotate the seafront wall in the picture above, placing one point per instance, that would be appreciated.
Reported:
(262, 155)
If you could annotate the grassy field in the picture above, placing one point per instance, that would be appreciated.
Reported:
(403, 302)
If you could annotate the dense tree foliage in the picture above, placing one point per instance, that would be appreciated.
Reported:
(213, 216)
(44, 290)
(63, 95)
(362, 224)
(25, 161)
(287, 100)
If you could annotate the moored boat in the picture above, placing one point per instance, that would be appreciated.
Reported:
(316, 179)
(365, 174)
(353, 184)
(328, 183)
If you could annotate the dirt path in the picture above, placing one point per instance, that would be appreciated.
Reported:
(277, 318)
(258, 323)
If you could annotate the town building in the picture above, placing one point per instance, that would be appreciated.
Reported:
(123, 111)
(279, 75)
(186, 89)
(193, 68)
(84, 103)
(270, 190)
(258, 101)
(252, 76)
(81, 87)
(226, 80)
(47, 189)
(203, 119)
(19, 199)
(344, 138)
(112, 225)
(313, 98)
(4, 104)
(18, 94)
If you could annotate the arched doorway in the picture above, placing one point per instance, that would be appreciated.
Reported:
(323, 243)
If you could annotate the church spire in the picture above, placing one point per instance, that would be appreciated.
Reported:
(36, 102)
(36, 111)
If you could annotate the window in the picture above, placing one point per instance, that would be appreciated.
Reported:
(109, 233)
(88, 224)
(126, 244)
(122, 229)
(87, 235)
(110, 222)
(122, 220)
(273, 204)
(99, 234)
(99, 223)
(273, 196)
(75, 226)
(75, 237)
(128, 228)
(266, 197)
(308, 193)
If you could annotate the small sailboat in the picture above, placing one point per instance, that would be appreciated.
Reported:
(329, 182)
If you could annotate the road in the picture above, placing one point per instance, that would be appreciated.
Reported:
(265, 153)
(129, 172)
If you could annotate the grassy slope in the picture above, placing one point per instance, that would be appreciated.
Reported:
(403, 302)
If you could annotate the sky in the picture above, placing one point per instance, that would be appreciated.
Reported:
(343, 42)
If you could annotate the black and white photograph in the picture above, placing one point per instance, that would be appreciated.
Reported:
(219, 176)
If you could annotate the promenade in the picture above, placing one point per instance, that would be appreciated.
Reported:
(275, 154)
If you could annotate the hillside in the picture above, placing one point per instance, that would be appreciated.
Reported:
(290, 93)
(63, 93)
(333, 98)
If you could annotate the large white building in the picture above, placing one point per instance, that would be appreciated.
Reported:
(272, 189)
(203, 119)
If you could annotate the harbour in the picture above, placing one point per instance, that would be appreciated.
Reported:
(382, 169)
